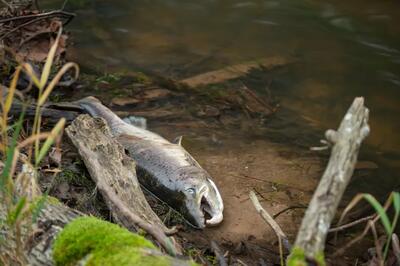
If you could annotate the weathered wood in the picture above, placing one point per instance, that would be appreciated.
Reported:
(53, 217)
(322, 208)
(51, 220)
(115, 175)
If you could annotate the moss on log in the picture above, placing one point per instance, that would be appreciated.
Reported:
(91, 241)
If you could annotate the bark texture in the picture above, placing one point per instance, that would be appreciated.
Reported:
(51, 220)
(346, 143)
(111, 169)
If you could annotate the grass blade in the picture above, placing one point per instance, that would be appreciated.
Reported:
(38, 206)
(396, 201)
(11, 150)
(13, 215)
(50, 140)
(49, 61)
(31, 73)
(381, 212)
(56, 79)
(11, 91)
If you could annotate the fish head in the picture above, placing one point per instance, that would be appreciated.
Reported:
(203, 202)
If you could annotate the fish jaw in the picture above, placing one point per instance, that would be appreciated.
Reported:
(209, 202)
(195, 213)
(215, 204)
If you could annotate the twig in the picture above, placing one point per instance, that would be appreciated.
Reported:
(218, 254)
(46, 14)
(31, 22)
(257, 98)
(352, 242)
(396, 248)
(7, 4)
(287, 209)
(345, 226)
(362, 235)
(267, 217)
(20, 26)
(241, 262)
(378, 247)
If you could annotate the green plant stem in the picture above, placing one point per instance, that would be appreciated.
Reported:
(36, 129)
(281, 250)
(396, 218)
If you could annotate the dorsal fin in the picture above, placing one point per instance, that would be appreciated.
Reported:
(178, 140)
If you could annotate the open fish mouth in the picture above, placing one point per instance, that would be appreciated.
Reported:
(210, 206)
(211, 217)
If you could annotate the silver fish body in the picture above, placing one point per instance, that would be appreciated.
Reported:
(166, 169)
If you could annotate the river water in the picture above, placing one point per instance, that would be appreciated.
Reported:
(343, 49)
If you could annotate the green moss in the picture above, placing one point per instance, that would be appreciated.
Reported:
(90, 235)
(53, 200)
(298, 258)
(102, 243)
(142, 78)
(128, 256)
(109, 78)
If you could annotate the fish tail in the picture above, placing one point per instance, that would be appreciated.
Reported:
(95, 108)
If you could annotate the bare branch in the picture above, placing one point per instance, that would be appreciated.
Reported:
(267, 217)
(346, 144)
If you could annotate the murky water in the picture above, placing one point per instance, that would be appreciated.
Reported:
(342, 49)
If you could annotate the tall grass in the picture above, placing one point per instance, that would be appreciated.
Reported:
(389, 225)
(21, 198)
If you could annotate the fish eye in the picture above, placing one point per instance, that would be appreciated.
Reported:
(191, 191)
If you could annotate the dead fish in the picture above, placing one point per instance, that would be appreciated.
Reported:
(168, 170)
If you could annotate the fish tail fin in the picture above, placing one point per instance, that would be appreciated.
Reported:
(95, 108)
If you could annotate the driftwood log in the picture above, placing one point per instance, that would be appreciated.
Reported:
(53, 217)
(346, 143)
(115, 176)
(51, 220)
